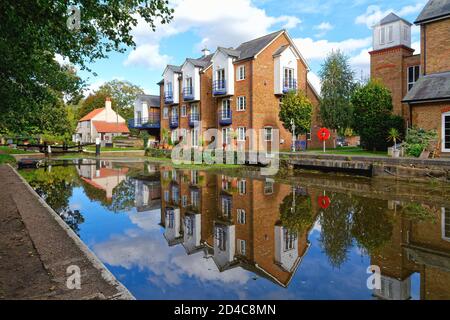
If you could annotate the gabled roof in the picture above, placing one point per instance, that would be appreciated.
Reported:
(434, 10)
(433, 87)
(230, 51)
(91, 114)
(280, 50)
(175, 69)
(110, 127)
(202, 62)
(152, 101)
(251, 48)
(392, 17)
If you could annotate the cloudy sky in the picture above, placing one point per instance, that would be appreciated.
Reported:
(317, 27)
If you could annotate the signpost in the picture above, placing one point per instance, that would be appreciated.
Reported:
(293, 147)
(324, 134)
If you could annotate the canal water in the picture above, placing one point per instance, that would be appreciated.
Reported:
(191, 234)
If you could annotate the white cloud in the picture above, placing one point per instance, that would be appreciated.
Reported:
(147, 55)
(318, 50)
(374, 14)
(213, 21)
(324, 27)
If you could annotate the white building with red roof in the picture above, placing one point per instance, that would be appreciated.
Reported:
(103, 123)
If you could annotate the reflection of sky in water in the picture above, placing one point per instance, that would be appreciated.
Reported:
(133, 247)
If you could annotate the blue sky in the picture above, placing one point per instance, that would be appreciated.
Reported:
(317, 27)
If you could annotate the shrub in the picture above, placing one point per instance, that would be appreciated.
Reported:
(418, 139)
(373, 116)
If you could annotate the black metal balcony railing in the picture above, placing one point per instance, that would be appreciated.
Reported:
(173, 121)
(219, 87)
(225, 118)
(188, 93)
(289, 85)
(151, 122)
(168, 97)
(194, 118)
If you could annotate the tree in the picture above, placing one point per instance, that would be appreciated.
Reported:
(95, 100)
(33, 33)
(123, 94)
(373, 116)
(338, 84)
(297, 107)
(298, 216)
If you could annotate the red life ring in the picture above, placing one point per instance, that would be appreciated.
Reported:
(324, 134)
(324, 202)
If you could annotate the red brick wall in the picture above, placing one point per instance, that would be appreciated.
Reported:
(388, 66)
(436, 47)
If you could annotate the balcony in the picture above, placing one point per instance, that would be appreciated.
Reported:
(173, 121)
(225, 117)
(289, 84)
(152, 122)
(219, 87)
(168, 97)
(194, 119)
(188, 94)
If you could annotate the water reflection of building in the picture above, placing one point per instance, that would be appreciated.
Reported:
(101, 175)
(147, 195)
(232, 221)
(416, 247)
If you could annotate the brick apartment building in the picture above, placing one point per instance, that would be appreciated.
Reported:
(233, 90)
(420, 84)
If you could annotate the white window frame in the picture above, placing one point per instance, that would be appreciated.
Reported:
(413, 68)
(242, 247)
(444, 115)
(242, 186)
(165, 113)
(268, 186)
(183, 111)
(242, 132)
(405, 33)
(382, 36)
(184, 200)
(226, 136)
(241, 216)
(241, 103)
(443, 214)
(174, 135)
(289, 240)
(240, 73)
(390, 34)
(226, 106)
(195, 137)
(195, 198)
(266, 133)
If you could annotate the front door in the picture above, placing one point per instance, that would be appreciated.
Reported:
(446, 132)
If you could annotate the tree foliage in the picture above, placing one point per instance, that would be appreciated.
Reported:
(297, 217)
(373, 116)
(296, 106)
(33, 33)
(338, 84)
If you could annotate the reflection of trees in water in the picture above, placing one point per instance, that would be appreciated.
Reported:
(336, 236)
(363, 219)
(123, 196)
(55, 186)
(298, 218)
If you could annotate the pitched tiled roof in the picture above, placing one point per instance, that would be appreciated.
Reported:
(176, 69)
(110, 127)
(434, 9)
(251, 48)
(280, 50)
(91, 114)
(430, 88)
(392, 17)
(152, 100)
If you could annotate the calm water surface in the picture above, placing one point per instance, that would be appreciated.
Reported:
(187, 234)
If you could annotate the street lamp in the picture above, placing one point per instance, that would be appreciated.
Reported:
(293, 135)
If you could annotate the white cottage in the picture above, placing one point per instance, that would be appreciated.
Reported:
(103, 123)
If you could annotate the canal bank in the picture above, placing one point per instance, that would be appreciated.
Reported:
(39, 252)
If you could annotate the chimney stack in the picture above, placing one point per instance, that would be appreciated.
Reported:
(206, 52)
(108, 108)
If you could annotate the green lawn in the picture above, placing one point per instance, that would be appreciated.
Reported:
(349, 151)
(6, 158)
(8, 150)
(106, 149)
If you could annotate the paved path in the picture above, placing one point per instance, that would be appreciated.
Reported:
(36, 248)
